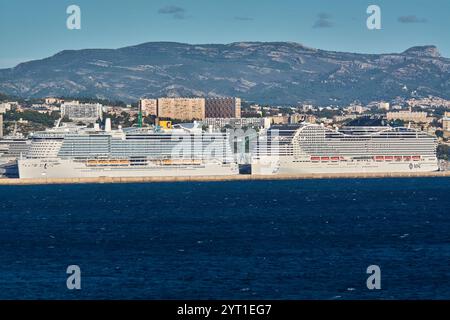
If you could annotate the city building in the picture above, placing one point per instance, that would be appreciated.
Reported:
(307, 107)
(149, 107)
(280, 119)
(429, 102)
(223, 108)
(84, 112)
(117, 111)
(51, 100)
(446, 122)
(346, 117)
(1, 126)
(355, 109)
(44, 108)
(5, 106)
(187, 109)
(384, 106)
(298, 118)
(408, 116)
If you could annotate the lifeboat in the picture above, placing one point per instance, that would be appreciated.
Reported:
(416, 158)
(389, 158)
(168, 162)
(325, 158)
(107, 162)
(315, 159)
(334, 159)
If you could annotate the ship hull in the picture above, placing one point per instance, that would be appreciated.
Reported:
(293, 166)
(61, 168)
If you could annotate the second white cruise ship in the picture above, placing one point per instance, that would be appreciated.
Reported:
(311, 148)
(185, 150)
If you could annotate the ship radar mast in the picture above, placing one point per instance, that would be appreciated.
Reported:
(140, 116)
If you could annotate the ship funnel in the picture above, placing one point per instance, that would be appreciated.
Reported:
(108, 125)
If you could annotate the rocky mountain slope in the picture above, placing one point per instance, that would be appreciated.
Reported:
(276, 73)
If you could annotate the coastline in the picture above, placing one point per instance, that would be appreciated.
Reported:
(241, 177)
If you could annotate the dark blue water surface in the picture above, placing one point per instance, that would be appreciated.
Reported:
(307, 239)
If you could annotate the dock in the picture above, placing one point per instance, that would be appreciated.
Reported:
(241, 177)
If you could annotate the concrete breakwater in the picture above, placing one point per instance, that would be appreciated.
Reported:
(44, 181)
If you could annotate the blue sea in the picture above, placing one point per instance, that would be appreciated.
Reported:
(304, 239)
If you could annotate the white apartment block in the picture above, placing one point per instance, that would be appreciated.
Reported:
(5, 106)
(84, 112)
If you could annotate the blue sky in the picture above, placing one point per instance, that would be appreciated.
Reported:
(35, 29)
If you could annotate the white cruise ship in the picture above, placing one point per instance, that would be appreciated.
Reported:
(311, 148)
(184, 150)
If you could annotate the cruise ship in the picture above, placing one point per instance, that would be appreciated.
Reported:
(184, 150)
(312, 148)
(11, 148)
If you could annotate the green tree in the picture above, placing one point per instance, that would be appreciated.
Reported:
(443, 152)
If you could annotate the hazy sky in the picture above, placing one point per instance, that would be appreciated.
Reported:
(35, 29)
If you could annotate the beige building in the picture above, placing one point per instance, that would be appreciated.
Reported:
(298, 118)
(51, 100)
(384, 106)
(446, 122)
(346, 117)
(408, 116)
(355, 109)
(149, 107)
(280, 119)
(182, 108)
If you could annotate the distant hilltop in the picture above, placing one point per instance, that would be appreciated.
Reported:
(264, 72)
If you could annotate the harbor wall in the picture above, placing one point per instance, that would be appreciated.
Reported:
(44, 181)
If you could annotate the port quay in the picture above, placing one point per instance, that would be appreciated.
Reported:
(241, 177)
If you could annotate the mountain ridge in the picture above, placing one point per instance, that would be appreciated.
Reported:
(265, 72)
